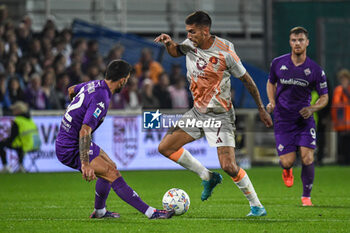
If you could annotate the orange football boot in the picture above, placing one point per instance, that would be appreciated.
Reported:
(288, 177)
(306, 201)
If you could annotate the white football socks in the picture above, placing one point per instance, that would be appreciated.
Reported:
(100, 212)
(246, 186)
(188, 161)
(149, 212)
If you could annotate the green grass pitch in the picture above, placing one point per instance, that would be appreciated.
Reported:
(62, 202)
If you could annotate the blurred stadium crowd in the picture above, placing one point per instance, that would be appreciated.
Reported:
(37, 67)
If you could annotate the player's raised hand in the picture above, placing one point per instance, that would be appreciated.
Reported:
(265, 117)
(306, 112)
(87, 172)
(270, 107)
(163, 38)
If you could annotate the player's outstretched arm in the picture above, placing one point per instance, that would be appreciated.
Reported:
(271, 94)
(306, 112)
(84, 147)
(253, 90)
(71, 92)
(170, 45)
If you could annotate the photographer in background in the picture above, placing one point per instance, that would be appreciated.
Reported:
(24, 136)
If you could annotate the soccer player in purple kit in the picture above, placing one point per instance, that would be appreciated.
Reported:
(292, 78)
(75, 149)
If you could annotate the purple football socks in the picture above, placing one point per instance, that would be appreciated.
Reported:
(102, 190)
(307, 176)
(128, 195)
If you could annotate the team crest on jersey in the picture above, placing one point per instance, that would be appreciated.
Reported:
(125, 139)
(201, 64)
(213, 60)
(307, 71)
(280, 147)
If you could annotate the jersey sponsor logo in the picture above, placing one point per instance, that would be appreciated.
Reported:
(280, 147)
(283, 67)
(323, 85)
(307, 71)
(297, 82)
(65, 125)
(91, 87)
(213, 60)
(101, 104)
(201, 64)
(97, 112)
(125, 139)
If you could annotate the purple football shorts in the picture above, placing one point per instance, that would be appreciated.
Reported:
(291, 135)
(70, 156)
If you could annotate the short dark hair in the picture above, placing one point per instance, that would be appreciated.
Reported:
(117, 69)
(199, 18)
(298, 30)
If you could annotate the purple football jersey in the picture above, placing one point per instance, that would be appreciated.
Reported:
(294, 86)
(88, 107)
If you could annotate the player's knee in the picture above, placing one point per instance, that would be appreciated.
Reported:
(161, 148)
(287, 164)
(112, 173)
(164, 150)
(229, 167)
(307, 160)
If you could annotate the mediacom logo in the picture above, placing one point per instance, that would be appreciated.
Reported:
(157, 120)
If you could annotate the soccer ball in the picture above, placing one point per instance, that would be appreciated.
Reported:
(176, 199)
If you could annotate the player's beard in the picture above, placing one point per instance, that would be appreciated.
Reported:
(119, 89)
(299, 52)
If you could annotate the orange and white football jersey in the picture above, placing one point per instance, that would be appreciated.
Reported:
(209, 71)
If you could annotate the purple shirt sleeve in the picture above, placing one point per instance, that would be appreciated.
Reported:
(321, 83)
(78, 86)
(96, 110)
(272, 75)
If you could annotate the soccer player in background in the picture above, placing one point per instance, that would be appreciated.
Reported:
(292, 78)
(74, 148)
(210, 62)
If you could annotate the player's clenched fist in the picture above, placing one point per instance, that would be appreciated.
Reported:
(88, 172)
(270, 107)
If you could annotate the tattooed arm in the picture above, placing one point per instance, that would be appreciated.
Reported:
(253, 90)
(84, 148)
